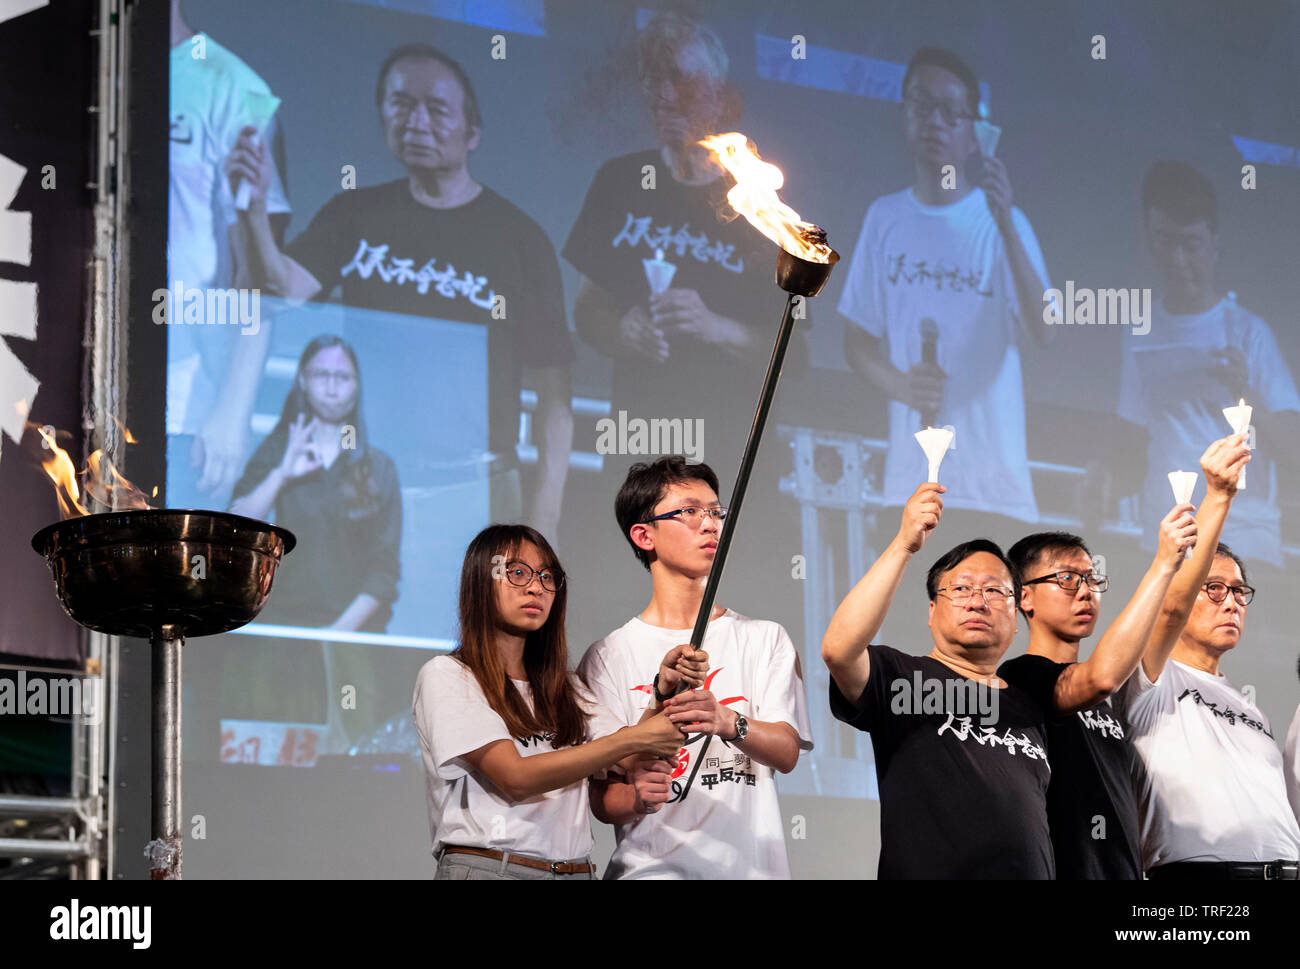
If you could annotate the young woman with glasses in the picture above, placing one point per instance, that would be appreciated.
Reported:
(509, 736)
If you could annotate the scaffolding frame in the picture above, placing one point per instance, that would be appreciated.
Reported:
(74, 836)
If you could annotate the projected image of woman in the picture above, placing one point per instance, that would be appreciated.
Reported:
(508, 735)
(319, 475)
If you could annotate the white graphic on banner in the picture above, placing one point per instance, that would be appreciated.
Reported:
(371, 260)
(638, 231)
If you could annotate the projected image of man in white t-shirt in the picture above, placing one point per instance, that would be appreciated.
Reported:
(1204, 352)
(950, 257)
(714, 813)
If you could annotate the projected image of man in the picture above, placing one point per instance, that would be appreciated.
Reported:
(674, 295)
(949, 263)
(1204, 353)
(213, 370)
(440, 244)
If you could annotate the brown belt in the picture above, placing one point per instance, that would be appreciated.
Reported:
(554, 867)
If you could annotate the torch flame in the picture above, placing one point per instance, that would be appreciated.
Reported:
(64, 475)
(754, 196)
(126, 432)
(103, 482)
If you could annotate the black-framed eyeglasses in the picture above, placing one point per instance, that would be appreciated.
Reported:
(521, 574)
(920, 108)
(993, 596)
(1069, 580)
(692, 515)
(1218, 591)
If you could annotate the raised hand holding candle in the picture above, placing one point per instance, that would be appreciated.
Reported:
(935, 442)
(259, 107)
(1239, 418)
(658, 272)
(1183, 483)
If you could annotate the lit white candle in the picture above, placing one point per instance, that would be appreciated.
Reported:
(1183, 483)
(935, 442)
(1239, 418)
(658, 272)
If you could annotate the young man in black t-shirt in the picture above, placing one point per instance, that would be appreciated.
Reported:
(437, 243)
(1090, 800)
(960, 754)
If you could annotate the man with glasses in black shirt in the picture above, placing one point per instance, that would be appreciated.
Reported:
(960, 754)
(1090, 802)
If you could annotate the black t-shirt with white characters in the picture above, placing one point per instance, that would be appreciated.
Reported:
(963, 774)
(1090, 801)
(388, 252)
(727, 262)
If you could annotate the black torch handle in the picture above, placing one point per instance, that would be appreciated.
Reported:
(746, 468)
(737, 497)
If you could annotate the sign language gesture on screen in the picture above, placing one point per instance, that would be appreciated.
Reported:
(301, 456)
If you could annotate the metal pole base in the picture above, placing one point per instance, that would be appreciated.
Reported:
(164, 850)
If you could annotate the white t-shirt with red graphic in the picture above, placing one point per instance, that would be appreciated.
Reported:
(724, 819)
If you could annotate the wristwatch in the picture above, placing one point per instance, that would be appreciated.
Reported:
(654, 685)
(742, 729)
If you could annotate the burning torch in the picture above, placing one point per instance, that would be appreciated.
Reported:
(802, 267)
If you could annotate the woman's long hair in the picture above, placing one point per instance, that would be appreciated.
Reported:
(556, 707)
(358, 485)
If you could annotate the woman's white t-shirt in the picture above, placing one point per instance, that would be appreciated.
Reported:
(453, 718)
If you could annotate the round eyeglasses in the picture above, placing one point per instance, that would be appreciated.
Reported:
(1218, 591)
(521, 574)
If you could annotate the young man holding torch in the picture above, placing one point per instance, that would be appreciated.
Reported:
(1212, 793)
(714, 813)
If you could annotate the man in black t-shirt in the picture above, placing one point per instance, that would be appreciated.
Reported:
(1090, 800)
(960, 755)
(691, 333)
(438, 244)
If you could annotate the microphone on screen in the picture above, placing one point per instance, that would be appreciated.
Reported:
(929, 354)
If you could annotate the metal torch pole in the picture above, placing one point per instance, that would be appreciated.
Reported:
(165, 848)
(738, 497)
(746, 468)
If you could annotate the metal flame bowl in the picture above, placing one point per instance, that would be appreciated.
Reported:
(803, 277)
(131, 573)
